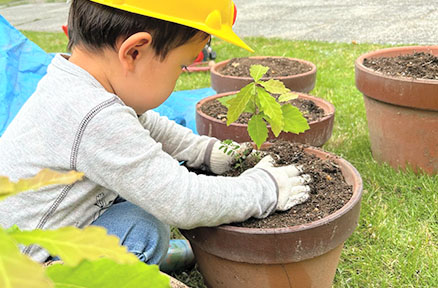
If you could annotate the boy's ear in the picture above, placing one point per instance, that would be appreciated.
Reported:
(136, 46)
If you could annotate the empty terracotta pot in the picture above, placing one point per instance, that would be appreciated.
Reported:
(320, 130)
(302, 256)
(402, 113)
(303, 82)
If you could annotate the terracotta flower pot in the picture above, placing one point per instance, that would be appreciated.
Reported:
(303, 82)
(402, 113)
(319, 133)
(302, 256)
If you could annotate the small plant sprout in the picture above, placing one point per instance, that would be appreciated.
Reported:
(256, 99)
(229, 147)
(232, 148)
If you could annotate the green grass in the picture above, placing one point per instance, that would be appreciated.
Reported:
(50, 42)
(8, 2)
(396, 242)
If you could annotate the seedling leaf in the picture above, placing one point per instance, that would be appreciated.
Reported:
(257, 130)
(18, 270)
(274, 126)
(257, 71)
(225, 99)
(293, 119)
(73, 245)
(272, 109)
(287, 97)
(107, 273)
(238, 104)
(274, 86)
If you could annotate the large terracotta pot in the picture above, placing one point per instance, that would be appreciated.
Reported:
(402, 113)
(320, 131)
(302, 256)
(303, 82)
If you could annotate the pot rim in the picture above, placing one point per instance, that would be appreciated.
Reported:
(214, 68)
(383, 53)
(402, 91)
(329, 114)
(354, 200)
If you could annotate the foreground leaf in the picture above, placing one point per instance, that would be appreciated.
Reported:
(73, 245)
(257, 71)
(44, 178)
(272, 109)
(294, 121)
(257, 130)
(107, 273)
(238, 104)
(18, 270)
(274, 86)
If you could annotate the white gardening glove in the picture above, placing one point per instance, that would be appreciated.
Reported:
(291, 184)
(225, 153)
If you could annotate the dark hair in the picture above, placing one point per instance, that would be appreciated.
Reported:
(97, 26)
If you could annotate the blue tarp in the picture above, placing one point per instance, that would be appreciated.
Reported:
(23, 63)
(181, 106)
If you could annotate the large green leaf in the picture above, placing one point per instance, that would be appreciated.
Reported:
(17, 270)
(257, 71)
(107, 273)
(44, 178)
(274, 126)
(272, 109)
(294, 120)
(250, 107)
(257, 130)
(274, 86)
(238, 104)
(73, 245)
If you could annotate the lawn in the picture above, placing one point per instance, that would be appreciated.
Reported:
(396, 242)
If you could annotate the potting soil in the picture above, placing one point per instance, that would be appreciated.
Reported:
(418, 65)
(277, 67)
(329, 191)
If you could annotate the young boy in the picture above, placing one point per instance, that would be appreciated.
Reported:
(92, 113)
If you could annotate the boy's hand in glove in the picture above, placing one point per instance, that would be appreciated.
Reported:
(291, 184)
(225, 154)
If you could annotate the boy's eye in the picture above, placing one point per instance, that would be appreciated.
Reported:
(184, 68)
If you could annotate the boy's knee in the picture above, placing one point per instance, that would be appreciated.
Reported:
(142, 233)
(153, 242)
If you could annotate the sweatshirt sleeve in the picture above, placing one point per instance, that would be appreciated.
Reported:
(118, 153)
(178, 141)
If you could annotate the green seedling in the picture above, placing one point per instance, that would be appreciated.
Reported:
(256, 99)
(231, 148)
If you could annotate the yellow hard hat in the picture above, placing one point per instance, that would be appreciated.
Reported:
(215, 17)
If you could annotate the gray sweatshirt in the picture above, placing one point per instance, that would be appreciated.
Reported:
(72, 123)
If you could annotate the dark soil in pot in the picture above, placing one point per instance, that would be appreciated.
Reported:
(309, 109)
(239, 67)
(419, 65)
(329, 193)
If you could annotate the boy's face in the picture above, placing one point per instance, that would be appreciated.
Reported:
(151, 81)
